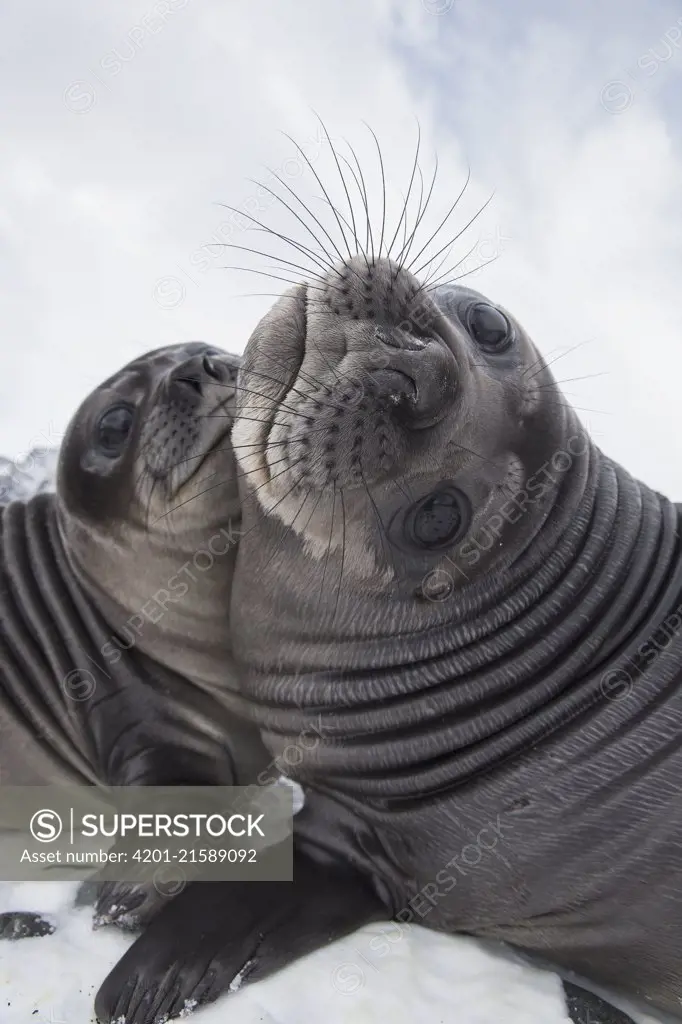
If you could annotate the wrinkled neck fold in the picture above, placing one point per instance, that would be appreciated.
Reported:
(523, 653)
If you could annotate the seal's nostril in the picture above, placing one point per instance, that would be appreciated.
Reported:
(191, 382)
(396, 338)
(211, 368)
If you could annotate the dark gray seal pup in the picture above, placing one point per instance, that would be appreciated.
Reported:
(115, 651)
(478, 612)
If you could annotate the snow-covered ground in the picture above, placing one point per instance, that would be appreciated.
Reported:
(426, 977)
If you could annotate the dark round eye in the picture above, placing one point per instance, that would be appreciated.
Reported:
(438, 520)
(489, 328)
(113, 430)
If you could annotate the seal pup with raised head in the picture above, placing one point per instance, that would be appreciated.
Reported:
(115, 650)
(479, 611)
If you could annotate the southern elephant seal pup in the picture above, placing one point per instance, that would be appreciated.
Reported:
(477, 613)
(115, 652)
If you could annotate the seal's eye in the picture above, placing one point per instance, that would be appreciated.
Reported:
(489, 328)
(113, 430)
(438, 520)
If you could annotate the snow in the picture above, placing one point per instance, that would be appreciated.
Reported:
(424, 977)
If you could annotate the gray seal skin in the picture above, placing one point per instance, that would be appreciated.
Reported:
(115, 651)
(478, 612)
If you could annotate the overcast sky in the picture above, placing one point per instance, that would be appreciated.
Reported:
(123, 126)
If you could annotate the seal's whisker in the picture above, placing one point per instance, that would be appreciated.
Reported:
(402, 490)
(478, 455)
(431, 281)
(311, 282)
(434, 271)
(327, 264)
(276, 462)
(362, 248)
(312, 513)
(276, 444)
(343, 180)
(317, 177)
(403, 215)
(458, 235)
(382, 529)
(467, 273)
(421, 197)
(251, 419)
(265, 273)
(383, 187)
(263, 513)
(281, 472)
(250, 391)
(149, 503)
(566, 352)
(431, 284)
(369, 237)
(256, 295)
(307, 209)
(409, 266)
(304, 394)
(329, 544)
(144, 471)
(321, 199)
(278, 547)
(405, 252)
(267, 255)
(343, 553)
(535, 362)
(568, 380)
(307, 377)
(221, 483)
(567, 405)
(323, 258)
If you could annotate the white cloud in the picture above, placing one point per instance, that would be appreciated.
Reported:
(104, 209)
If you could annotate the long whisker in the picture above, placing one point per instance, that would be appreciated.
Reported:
(561, 355)
(362, 189)
(329, 545)
(568, 380)
(458, 235)
(409, 265)
(317, 177)
(405, 251)
(343, 552)
(250, 391)
(284, 533)
(467, 273)
(326, 264)
(403, 215)
(266, 255)
(383, 187)
(343, 180)
(296, 215)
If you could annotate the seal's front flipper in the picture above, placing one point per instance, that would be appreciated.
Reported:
(215, 936)
(588, 1008)
(22, 924)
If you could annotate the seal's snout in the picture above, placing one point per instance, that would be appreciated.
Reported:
(196, 375)
(390, 330)
(419, 378)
